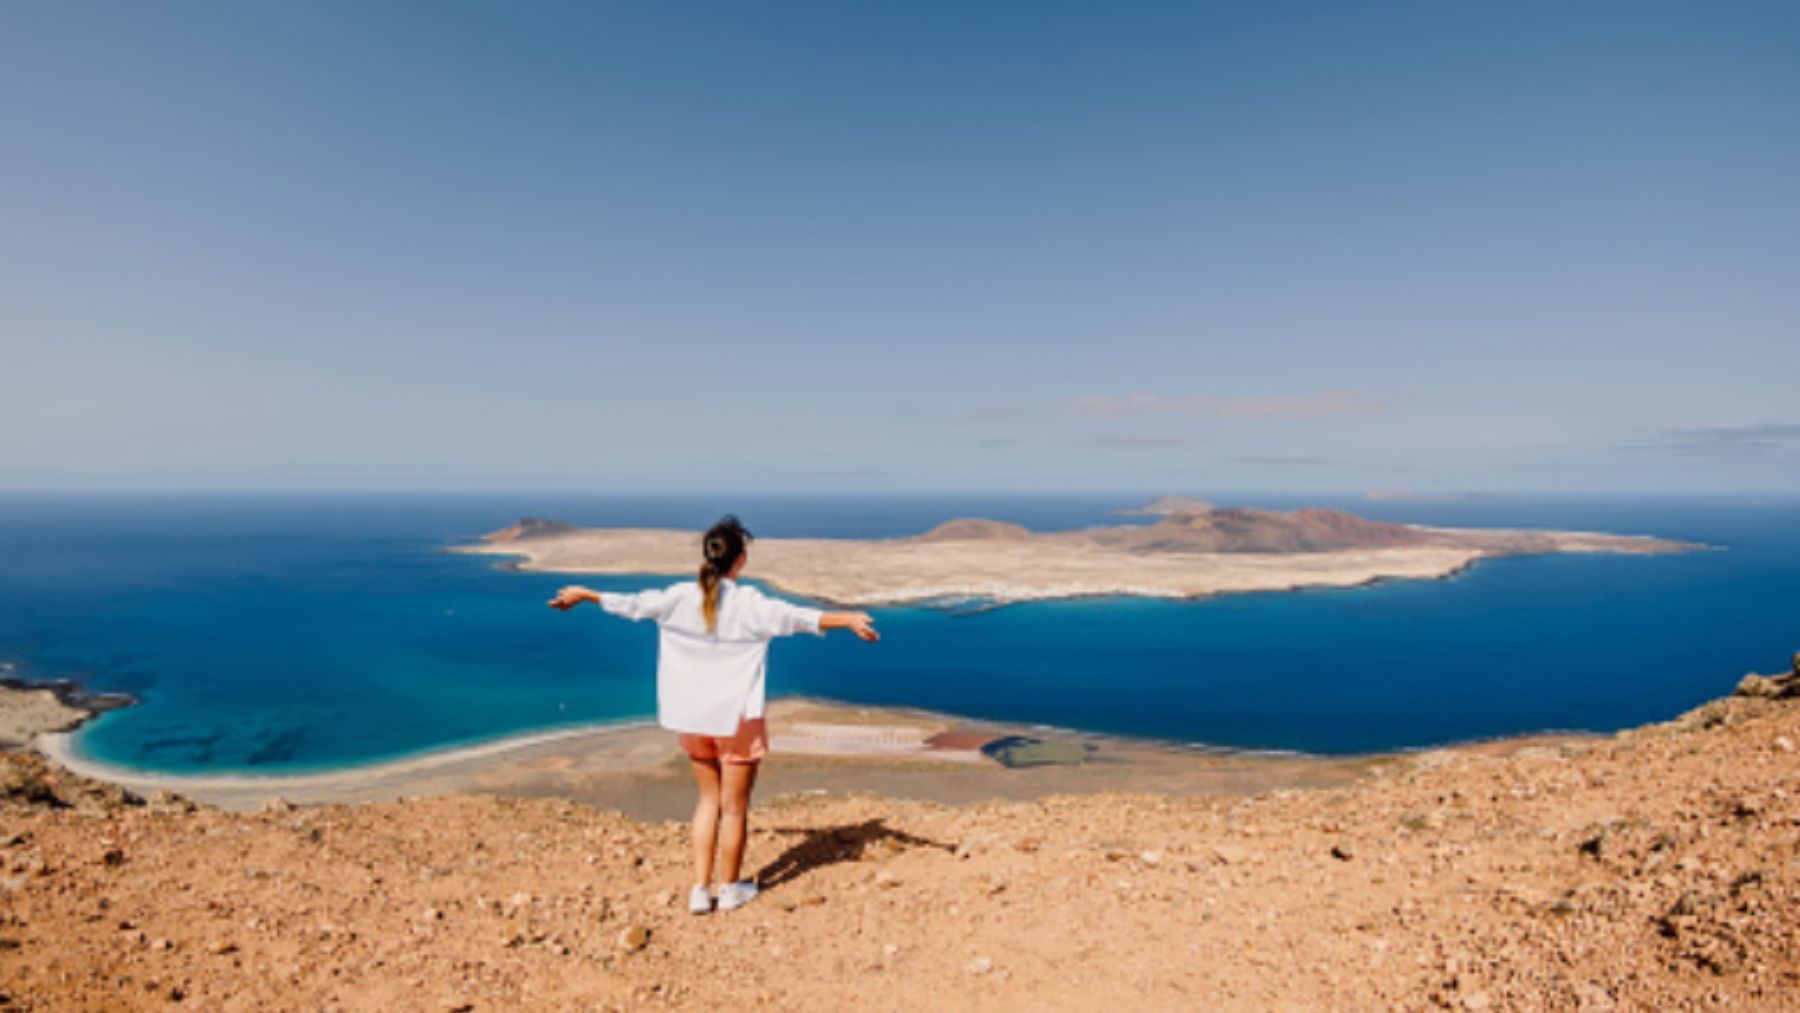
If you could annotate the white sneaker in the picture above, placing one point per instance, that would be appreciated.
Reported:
(700, 900)
(735, 895)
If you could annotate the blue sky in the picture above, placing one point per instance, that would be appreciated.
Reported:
(911, 246)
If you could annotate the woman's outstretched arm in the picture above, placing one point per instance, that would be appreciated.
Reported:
(573, 595)
(651, 604)
(859, 623)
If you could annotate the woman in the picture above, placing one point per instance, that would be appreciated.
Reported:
(710, 662)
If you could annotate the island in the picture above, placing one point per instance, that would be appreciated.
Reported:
(1192, 552)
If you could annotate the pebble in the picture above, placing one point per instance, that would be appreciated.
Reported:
(1343, 851)
(885, 879)
(432, 914)
(1151, 858)
(980, 965)
(1784, 743)
(634, 937)
(1230, 854)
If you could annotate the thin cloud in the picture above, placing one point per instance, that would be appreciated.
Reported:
(1321, 404)
(833, 472)
(1279, 460)
(1138, 442)
(997, 412)
(1728, 442)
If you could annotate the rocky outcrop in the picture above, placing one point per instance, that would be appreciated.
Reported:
(1772, 687)
(30, 708)
(30, 782)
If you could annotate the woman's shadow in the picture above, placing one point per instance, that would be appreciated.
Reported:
(829, 845)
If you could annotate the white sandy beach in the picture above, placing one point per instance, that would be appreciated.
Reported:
(816, 747)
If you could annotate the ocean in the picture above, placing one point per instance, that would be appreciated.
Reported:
(284, 633)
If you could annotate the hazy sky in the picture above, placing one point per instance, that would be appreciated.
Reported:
(909, 245)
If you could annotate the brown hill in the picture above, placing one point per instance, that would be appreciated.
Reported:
(975, 529)
(1235, 529)
(1241, 529)
(528, 528)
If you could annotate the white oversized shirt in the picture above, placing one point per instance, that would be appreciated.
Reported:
(706, 682)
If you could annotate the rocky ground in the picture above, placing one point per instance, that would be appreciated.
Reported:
(1658, 869)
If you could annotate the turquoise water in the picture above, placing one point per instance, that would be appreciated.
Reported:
(273, 633)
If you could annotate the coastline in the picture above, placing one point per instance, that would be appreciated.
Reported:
(29, 707)
(59, 747)
(817, 748)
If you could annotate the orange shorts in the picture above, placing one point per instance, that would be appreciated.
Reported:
(749, 745)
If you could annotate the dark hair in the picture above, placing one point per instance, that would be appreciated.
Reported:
(722, 545)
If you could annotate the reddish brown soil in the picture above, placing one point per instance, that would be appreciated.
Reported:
(1656, 870)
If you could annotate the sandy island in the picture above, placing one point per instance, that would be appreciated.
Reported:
(1192, 550)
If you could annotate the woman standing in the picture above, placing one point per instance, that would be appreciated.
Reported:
(711, 656)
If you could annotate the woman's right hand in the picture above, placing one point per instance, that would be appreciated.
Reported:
(571, 596)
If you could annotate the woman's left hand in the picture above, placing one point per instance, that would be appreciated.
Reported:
(863, 625)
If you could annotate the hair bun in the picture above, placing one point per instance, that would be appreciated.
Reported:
(723, 544)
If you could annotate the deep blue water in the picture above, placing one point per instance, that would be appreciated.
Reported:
(279, 633)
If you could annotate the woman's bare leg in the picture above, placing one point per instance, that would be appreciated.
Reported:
(706, 818)
(734, 808)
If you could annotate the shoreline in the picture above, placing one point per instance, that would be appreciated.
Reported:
(818, 747)
(59, 746)
(29, 707)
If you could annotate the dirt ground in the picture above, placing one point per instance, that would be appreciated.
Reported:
(1658, 869)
